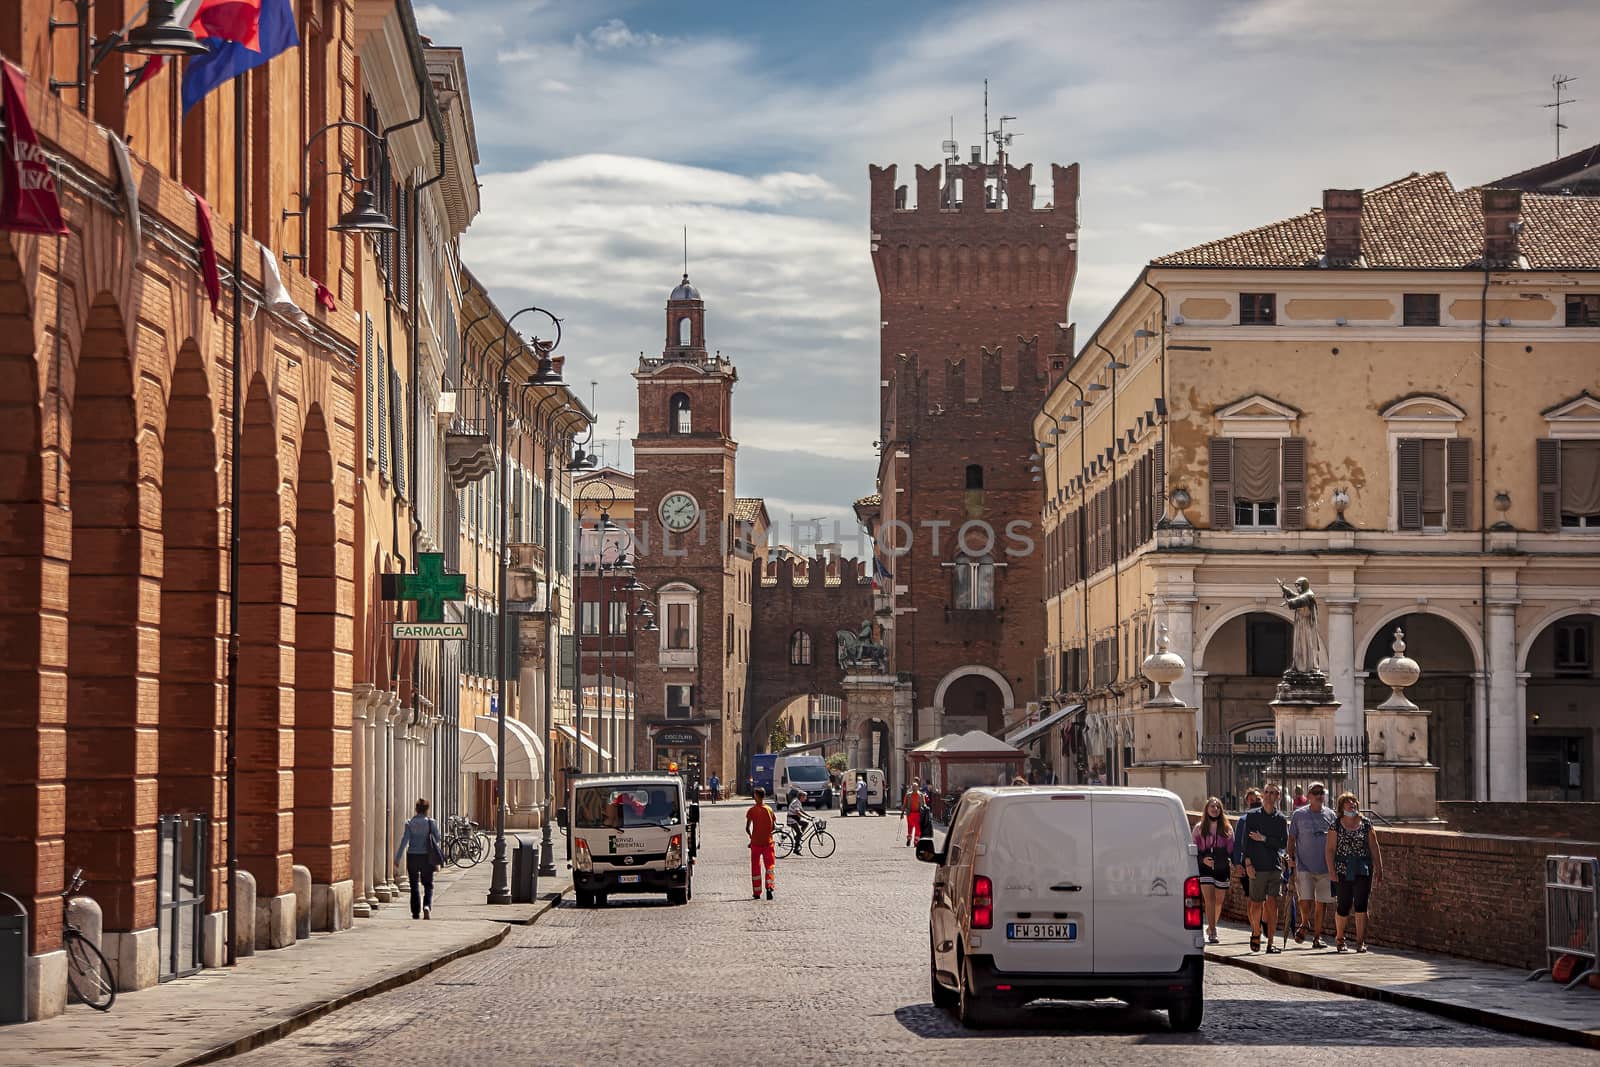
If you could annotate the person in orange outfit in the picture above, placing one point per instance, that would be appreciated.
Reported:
(758, 824)
(910, 811)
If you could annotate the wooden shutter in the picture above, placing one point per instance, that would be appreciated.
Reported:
(368, 356)
(1292, 460)
(1158, 483)
(1549, 471)
(1221, 472)
(381, 371)
(1105, 556)
(1408, 483)
(1458, 483)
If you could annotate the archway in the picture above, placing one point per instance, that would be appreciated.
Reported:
(321, 698)
(1563, 710)
(974, 698)
(1243, 656)
(113, 670)
(266, 669)
(1447, 689)
(30, 834)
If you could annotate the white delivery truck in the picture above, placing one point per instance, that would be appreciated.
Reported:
(805, 773)
(630, 833)
(1066, 893)
(877, 791)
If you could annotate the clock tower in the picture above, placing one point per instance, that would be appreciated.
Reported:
(693, 671)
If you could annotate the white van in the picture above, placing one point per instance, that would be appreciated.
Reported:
(877, 791)
(630, 833)
(1071, 893)
(806, 773)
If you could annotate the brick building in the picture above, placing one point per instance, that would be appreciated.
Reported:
(974, 282)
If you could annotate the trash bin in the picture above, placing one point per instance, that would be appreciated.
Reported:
(524, 872)
(13, 961)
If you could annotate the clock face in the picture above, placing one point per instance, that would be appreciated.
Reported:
(679, 512)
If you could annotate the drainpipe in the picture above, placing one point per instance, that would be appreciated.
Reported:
(1483, 519)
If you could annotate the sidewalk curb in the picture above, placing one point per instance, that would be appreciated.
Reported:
(309, 1014)
(1492, 1020)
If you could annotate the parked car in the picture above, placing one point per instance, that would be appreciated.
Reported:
(877, 791)
(1065, 893)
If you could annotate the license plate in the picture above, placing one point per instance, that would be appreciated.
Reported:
(627, 879)
(1042, 931)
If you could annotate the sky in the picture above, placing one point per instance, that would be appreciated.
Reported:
(606, 128)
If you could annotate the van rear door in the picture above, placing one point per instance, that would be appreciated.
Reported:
(1141, 861)
(1041, 860)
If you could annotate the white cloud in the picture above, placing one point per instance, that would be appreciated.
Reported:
(614, 33)
(431, 18)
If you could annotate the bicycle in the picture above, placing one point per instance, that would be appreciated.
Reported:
(464, 844)
(814, 836)
(89, 974)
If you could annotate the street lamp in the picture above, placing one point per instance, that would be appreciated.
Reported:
(364, 215)
(547, 375)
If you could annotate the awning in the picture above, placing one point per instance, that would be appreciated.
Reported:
(477, 754)
(588, 742)
(524, 757)
(1031, 733)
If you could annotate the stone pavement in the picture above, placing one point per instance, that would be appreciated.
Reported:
(220, 1012)
(1482, 993)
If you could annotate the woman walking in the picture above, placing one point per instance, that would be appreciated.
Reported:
(1213, 841)
(911, 811)
(422, 847)
(1356, 863)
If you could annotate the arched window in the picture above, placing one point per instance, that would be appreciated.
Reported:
(683, 331)
(682, 421)
(974, 476)
(800, 649)
(972, 583)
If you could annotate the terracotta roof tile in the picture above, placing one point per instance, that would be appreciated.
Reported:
(1420, 221)
(748, 508)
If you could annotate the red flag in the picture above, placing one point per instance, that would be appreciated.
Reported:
(230, 20)
(325, 297)
(28, 202)
(208, 250)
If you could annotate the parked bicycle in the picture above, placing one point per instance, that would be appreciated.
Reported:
(89, 974)
(464, 844)
(814, 838)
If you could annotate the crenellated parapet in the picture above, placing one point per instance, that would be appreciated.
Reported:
(992, 381)
(820, 572)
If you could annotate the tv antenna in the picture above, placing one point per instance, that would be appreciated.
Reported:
(1559, 83)
(952, 149)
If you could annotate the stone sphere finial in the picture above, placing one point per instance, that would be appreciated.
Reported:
(1162, 668)
(1398, 671)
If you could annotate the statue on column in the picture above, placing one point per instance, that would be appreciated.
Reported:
(1308, 657)
(862, 649)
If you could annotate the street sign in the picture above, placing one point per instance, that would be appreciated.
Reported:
(428, 631)
(568, 664)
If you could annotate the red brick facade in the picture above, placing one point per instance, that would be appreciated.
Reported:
(974, 291)
(115, 378)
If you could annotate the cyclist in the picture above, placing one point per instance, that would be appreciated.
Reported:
(758, 822)
(798, 819)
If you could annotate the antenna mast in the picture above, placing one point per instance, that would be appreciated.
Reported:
(686, 251)
(1559, 83)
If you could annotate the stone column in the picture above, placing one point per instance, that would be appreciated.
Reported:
(374, 803)
(1166, 743)
(360, 870)
(1342, 665)
(383, 776)
(904, 708)
(1504, 715)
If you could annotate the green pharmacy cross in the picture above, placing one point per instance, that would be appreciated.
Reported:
(430, 587)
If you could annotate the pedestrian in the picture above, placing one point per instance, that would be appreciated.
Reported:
(1356, 862)
(758, 824)
(716, 787)
(1019, 780)
(1300, 799)
(422, 847)
(1266, 834)
(861, 795)
(1308, 859)
(1252, 801)
(1213, 842)
(911, 810)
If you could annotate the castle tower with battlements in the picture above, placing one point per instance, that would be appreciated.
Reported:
(974, 281)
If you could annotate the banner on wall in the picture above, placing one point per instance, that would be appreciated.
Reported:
(28, 201)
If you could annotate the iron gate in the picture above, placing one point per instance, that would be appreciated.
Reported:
(1294, 763)
(181, 871)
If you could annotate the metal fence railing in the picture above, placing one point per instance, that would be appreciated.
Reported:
(1232, 767)
(1571, 919)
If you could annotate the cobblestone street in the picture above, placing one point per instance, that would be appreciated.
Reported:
(833, 971)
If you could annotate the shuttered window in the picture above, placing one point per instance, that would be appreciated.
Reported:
(1292, 476)
(370, 366)
(1432, 483)
(1569, 485)
(381, 372)
(1158, 483)
(397, 415)
(1257, 482)
(1220, 463)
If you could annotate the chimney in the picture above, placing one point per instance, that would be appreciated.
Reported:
(1341, 217)
(1501, 208)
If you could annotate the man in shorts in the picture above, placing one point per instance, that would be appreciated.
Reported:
(1308, 860)
(1266, 834)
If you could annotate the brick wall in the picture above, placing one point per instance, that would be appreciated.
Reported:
(1475, 896)
(781, 608)
(1561, 820)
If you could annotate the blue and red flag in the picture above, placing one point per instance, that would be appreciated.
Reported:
(241, 35)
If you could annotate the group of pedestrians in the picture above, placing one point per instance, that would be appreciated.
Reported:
(1322, 855)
